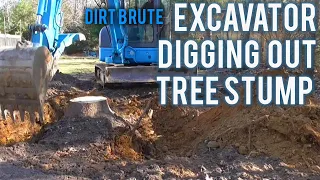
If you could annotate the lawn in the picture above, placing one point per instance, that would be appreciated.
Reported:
(76, 65)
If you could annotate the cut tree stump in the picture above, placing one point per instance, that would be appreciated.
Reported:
(93, 107)
(89, 106)
(87, 112)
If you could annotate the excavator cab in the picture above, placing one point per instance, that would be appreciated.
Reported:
(129, 53)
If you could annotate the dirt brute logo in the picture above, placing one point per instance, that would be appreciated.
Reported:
(267, 39)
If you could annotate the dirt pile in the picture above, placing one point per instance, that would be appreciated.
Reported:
(289, 133)
(125, 149)
(18, 131)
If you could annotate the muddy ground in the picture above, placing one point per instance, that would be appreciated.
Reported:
(171, 142)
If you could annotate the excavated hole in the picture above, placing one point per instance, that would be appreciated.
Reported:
(12, 132)
(18, 131)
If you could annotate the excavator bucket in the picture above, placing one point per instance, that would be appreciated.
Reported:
(24, 77)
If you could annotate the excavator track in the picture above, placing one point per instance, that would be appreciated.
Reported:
(24, 77)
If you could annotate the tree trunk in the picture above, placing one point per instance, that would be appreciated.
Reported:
(89, 106)
(94, 107)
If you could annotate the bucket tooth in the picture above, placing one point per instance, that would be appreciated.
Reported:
(6, 112)
(10, 109)
(41, 114)
(3, 115)
(21, 113)
(31, 114)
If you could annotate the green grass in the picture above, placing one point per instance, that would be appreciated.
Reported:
(76, 65)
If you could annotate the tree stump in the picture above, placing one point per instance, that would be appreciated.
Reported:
(89, 106)
(89, 111)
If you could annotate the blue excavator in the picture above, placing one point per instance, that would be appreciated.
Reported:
(127, 54)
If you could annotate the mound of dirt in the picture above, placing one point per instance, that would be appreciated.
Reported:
(19, 131)
(289, 133)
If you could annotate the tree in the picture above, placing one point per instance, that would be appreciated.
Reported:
(2, 22)
(22, 16)
(16, 16)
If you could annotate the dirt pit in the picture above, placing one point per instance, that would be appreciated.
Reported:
(19, 131)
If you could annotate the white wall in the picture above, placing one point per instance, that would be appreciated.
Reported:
(7, 40)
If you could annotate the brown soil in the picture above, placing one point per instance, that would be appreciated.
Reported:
(124, 148)
(289, 133)
(19, 131)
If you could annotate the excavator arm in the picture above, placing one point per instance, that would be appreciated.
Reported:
(46, 30)
(26, 71)
(118, 34)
